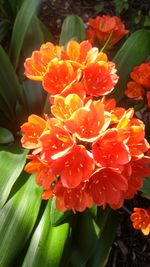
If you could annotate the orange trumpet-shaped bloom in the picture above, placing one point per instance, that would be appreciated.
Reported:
(37, 65)
(141, 75)
(106, 186)
(141, 220)
(76, 199)
(64, 107)
(137, 144)
(99, 78)
(110, 150)
(32, 131)
(135, 172)
(44, 175)
(82, 54)
(134, 90)
(88, 122)
(74, 167)
(102, 26)
(55, 141)
(59, 75)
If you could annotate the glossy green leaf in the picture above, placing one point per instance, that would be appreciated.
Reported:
(35, 255)
(134, 52)
(6, 136)
(47, 244)
(106, 237)
(72, 28)
(146, 186)
(56, 244)
(35, 96)
(57, 216)
(10, 89)
(22, 22)
(17, 219)
(12, 160)
(85, 239)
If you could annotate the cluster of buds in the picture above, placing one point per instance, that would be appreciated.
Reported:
(88, 150)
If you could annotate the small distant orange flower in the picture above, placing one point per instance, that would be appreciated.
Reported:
(134, 90)
(141, 220)
(102, 26)
(37, 65)
(141, 75)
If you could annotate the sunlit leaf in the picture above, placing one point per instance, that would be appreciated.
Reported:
(17, 219)
(22, 22)
(12, 160)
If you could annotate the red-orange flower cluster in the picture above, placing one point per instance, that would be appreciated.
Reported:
(140, 84)
(102, 26)
(141, 220)
(90, 151)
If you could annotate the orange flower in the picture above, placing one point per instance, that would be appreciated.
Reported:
(76, 199)
(59, 75)
(80, 55)
(137, 144)
(141, 220)
(37, 65)
(99, 78)
(55, 141)
(141, 75)
(134, 90)
(74, 167)
(63, 107)
(110, 150)
(106, 186)
(135, 172)
(32, 131)
(103, 26)
(44, 175)
(88, 122)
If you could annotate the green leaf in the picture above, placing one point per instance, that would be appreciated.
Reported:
(35, 255)
(22, 22)
(10, 89)
(17, 219)
(4, 28)
(134, 51)
(12, 160)
(146, 186)
(35, 96)
(85, 239)
(72, 28)
(6, 136)
(57, 216)
(47, 244)
(107, 235)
